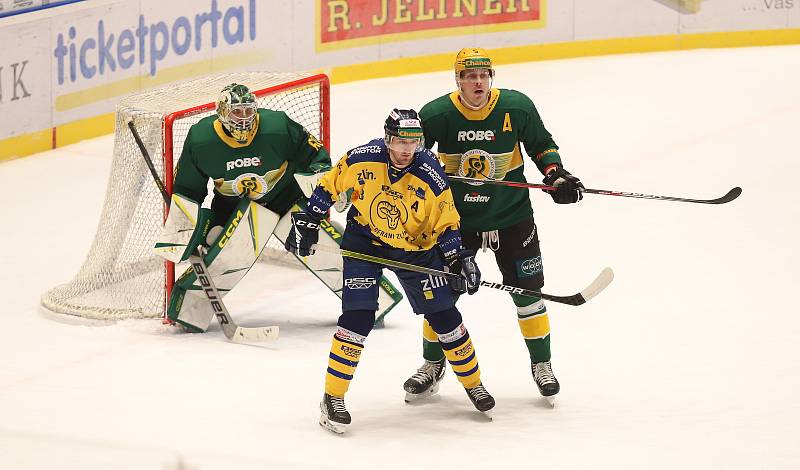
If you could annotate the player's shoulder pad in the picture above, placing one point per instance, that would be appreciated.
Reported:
(515, 99)
(428, 169)
(202, 131)
(435, 107)
(372, 151)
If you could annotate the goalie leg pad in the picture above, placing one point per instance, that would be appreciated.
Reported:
(229, 258)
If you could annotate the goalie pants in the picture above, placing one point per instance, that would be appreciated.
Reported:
(429, 295)
(517, 253)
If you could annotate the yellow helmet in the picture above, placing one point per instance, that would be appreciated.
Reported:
(473, 58)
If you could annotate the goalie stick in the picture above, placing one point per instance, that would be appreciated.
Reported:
(235, 333)
(600, 282)
(730, 196)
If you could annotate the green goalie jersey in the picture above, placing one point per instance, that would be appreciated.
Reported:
(486, 144)
(261, 169)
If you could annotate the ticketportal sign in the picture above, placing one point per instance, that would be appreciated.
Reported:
(351, 23)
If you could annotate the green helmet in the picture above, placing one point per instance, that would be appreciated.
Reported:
(237, 110)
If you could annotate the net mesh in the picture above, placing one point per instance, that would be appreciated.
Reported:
(121, 277)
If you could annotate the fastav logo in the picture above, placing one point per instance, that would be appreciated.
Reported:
(472, 136)
(475, 197)
(358, 283)
(242, 163)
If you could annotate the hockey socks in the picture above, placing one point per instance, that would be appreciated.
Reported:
(460, 354)
(456, 345)
(346, 350)
(534, 325)
(431, 350)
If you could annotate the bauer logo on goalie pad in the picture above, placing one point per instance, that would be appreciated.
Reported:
(360, 282)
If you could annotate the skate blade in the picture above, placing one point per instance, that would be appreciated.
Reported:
(551, 400)
(419, 396)
(489, 414)
(336, 428)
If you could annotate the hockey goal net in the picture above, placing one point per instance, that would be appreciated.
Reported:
(121, 276)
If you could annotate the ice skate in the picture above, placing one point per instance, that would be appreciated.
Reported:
(481, 399)
(425, 381)
(334, 417)
(545, 380)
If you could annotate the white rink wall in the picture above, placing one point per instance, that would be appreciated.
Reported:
(63, 70)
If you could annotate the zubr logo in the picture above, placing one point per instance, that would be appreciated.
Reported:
(101, 51)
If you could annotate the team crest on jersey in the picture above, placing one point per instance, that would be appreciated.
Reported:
(251, 185)
(388, 216)
(478, 164)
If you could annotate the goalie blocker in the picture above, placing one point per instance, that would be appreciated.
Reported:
(233, 249)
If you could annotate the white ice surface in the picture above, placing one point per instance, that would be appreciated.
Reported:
(688, 360)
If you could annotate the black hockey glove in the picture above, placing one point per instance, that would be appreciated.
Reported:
(464, 264)
(303, 234)
(569, 188)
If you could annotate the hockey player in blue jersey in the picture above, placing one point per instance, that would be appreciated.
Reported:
(402, 210)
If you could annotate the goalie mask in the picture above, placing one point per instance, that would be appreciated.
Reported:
(238, 111)
(403, 130)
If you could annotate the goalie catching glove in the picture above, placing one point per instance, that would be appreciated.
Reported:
(463, 262)
(569, 188)
(303, 234)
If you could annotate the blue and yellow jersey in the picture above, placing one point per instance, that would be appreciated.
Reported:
(410, 208)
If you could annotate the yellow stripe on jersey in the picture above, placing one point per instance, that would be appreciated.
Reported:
(480, 114)
(406, 214)
(342, 363)
(230, 141)
(496, 165)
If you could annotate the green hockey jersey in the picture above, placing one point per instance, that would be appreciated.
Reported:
(261, 169)
(486, 144)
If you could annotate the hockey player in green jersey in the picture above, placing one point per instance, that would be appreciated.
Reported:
(480, 131)
(250, 154)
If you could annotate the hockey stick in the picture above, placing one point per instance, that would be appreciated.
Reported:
(600, 282)
(730, 196)
(233, 332)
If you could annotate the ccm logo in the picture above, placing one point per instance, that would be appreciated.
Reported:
(475, 135)
(303, 223)
(243, 163)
